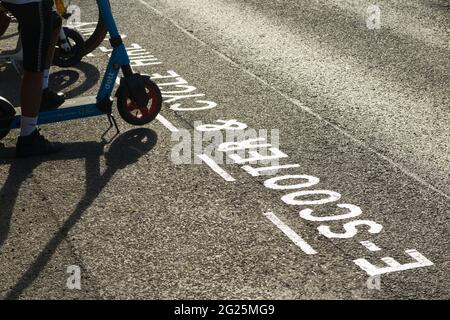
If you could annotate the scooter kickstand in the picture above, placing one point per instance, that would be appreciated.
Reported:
(112, 121)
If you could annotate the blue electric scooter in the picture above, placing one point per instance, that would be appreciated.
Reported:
(138, 97)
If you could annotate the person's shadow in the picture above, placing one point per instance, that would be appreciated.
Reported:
(124, 151)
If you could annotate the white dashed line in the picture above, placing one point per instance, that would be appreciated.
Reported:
(166, 123)
(214, 166)
(291, 234)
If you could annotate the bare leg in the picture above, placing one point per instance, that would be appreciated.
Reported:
(50, 100)
(31, 93)
(51, 49)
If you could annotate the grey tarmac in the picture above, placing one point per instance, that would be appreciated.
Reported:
(365, 111)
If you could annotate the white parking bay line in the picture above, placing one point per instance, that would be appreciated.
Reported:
(291, 234)
(217, 169)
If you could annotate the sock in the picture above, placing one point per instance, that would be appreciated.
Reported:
(45, 79)
(27, 125)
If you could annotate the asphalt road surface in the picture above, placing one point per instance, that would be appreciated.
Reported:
(356, 112)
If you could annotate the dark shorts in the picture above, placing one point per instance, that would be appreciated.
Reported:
(36, 23)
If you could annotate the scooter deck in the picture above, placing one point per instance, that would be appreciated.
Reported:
(78, 108)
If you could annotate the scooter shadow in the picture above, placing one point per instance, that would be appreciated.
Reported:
(125, 150)
(63, 80)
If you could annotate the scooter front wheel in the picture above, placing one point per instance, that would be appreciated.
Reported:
(138, 115)
(7, 114)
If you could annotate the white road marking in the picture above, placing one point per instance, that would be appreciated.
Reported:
(301, 105)
(393, 265)
(166, 123)
(291, 234)
(370, 246)
(216, 168)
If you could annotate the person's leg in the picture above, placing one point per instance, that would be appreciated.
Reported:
(35, 29)
(50, 99)
(32, 32)
(56, 24)
(31, 92)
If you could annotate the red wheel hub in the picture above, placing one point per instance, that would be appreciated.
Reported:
(143, 112)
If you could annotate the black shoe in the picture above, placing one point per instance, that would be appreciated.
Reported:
(36, 145)
(51, 100)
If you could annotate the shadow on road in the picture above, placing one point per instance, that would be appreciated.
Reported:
(124, 151)
(63, 80)
(9, 36)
